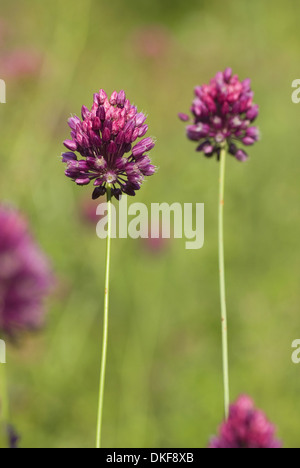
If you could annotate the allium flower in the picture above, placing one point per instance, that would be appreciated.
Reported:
(246, 427)
(223, 112)
(25, 276)
(105, 139)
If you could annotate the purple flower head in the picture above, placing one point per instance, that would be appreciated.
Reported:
(246, 427)
(223, 113)
(25, 276)
(106, 138)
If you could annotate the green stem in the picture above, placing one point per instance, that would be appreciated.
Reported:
(105, 323)
(222, 282)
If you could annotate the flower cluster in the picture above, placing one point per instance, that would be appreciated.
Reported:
(25, 276)
(246, 427)
(223, 113)
(104, 138)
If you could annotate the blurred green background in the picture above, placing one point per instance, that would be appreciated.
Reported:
(164, 379)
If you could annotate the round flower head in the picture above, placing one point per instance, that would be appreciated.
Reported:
(246, 427)
(25, 276)
(223, 112)
(106, 139)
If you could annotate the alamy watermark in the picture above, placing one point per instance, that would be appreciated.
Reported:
(296, 93)
(161, 220)
(2, 92)
(296, 353)
(2, 352)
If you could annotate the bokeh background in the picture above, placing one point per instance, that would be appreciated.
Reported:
(164, 379)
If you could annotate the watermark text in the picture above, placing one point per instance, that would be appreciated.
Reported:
(161, 220)
(2, 92)
(2, 352)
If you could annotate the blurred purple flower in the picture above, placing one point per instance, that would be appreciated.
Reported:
(13, 437)
(223, 112)
(25, 275)
(103, 137)
(20, 64)
(246, 427)
(152, 42)
(155, 245)
(88, 211)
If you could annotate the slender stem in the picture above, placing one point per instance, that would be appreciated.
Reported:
(105, 323)
(222, 282)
